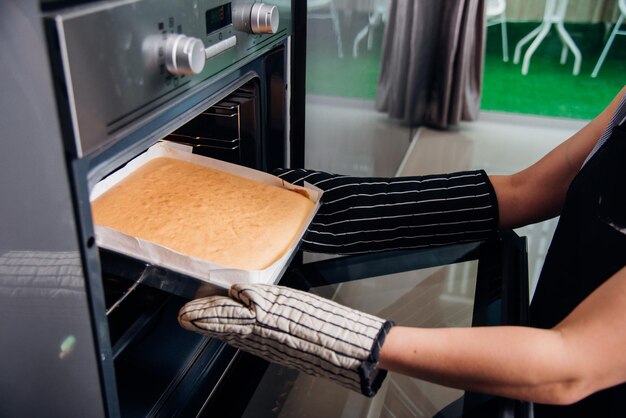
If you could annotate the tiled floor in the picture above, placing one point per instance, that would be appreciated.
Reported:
(350, 137)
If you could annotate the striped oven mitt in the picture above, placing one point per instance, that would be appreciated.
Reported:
(297, 330)
(361, 215)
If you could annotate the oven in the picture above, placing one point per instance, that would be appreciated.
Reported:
(209, 74)
(90, 85)
(95, 333)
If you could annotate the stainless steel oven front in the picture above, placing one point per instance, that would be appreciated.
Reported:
(212, 74)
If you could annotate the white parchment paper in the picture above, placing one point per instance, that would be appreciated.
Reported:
(149, 252)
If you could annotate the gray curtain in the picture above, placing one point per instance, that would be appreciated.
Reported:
(432, 61)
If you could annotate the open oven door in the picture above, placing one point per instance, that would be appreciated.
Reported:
(470, 284)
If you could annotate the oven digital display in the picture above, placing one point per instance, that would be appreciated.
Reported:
(218, 17)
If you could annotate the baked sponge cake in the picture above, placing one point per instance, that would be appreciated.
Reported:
(205, 213)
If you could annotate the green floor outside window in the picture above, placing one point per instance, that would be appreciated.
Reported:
(549, 89)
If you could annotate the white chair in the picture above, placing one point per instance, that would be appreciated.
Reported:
(554, 14)
(320, 9)
(616, 31)
(325, 9)
(496, 15)
(377, 16)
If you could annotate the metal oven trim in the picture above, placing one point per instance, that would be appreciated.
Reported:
(139, 87)
(69, 86)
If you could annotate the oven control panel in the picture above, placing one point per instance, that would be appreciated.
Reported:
(122, 61)
(185, 55)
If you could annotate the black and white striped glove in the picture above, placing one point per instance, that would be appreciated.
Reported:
(361, 215)
(297, 330)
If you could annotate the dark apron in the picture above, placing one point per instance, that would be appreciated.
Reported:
(588, 247)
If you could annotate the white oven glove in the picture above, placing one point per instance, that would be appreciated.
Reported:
(361, 215)
(295, 329)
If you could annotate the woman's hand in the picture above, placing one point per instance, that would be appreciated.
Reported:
(297, 330)
(361, 215)
(581, 355)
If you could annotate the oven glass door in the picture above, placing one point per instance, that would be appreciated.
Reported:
(454, 286)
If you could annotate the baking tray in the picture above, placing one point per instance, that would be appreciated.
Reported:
(183, 267)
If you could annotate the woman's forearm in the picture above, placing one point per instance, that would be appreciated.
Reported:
(538, 192)
(514, 362)
(581, 355)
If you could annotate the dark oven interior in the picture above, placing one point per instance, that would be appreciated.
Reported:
(160, 369)
(227, 131)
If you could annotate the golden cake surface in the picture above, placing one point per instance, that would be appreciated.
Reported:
(205, 213)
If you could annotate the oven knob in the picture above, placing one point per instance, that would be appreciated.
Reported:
(184, 55)
(258, 18)
(264, 18)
